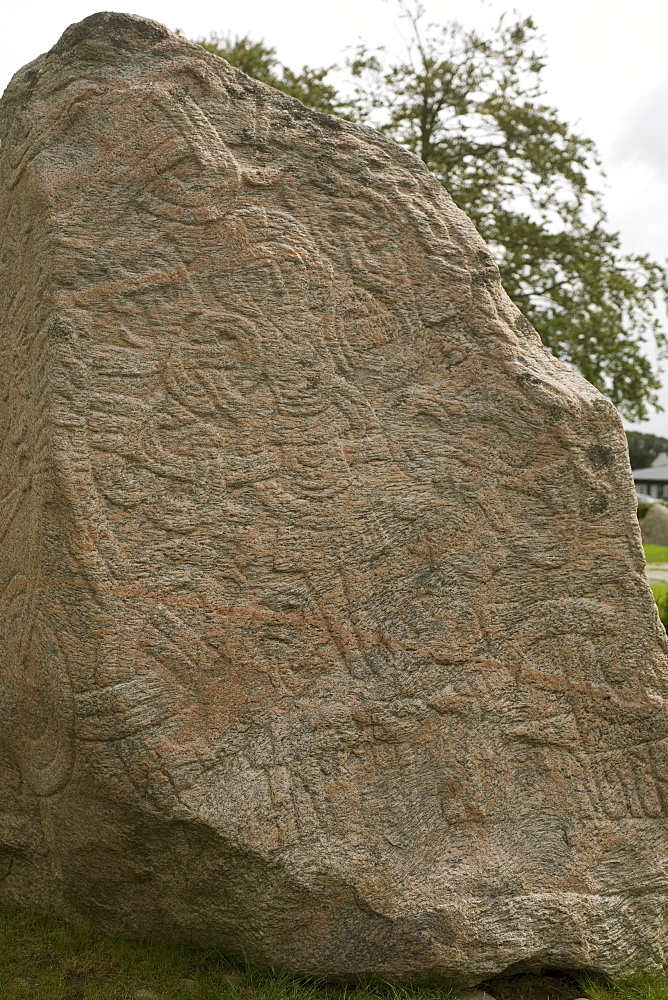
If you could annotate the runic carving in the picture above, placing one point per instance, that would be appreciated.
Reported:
(321, 636)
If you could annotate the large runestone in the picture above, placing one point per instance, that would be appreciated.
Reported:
(323, 629)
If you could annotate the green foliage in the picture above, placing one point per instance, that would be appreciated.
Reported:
(473, 109)
(258, 60)
(644, 448)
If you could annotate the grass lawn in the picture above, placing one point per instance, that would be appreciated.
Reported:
(44, 959)
(660, 591)
(656, 553)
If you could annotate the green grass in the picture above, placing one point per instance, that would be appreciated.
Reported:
(639, 987)
(42, 958)
(656, 553)
(660, 592)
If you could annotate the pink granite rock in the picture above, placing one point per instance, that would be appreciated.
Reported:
(324, 634)
(654, 526)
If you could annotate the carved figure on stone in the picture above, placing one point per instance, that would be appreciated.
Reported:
(323, 627)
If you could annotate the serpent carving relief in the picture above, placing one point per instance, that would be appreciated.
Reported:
(323, 625)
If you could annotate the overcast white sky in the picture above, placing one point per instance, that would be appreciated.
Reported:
(607, 72)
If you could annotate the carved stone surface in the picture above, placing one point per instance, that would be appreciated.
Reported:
(324, 629)
(654, 527)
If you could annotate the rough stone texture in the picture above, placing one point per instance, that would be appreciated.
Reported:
(654, 526)
(324, 630)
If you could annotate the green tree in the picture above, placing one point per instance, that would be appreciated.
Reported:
(644, 448)
(258, 60)
(472, 108)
